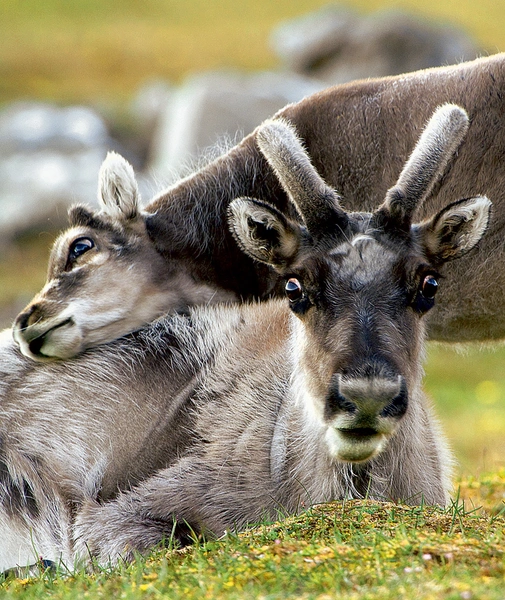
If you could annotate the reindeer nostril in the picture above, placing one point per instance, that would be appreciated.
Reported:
(336, 402)
(35, 345)
(22, 320)
(26, 318)
(398, 406)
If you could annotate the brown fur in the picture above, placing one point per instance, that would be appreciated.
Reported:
(358, 136)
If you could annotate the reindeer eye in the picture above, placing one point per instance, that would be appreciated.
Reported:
(429, 287)
(294, 290)
(80, 246)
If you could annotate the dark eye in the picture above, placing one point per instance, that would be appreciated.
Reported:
(79, 247)
(429, 287)
(424, 298)
(294, 290)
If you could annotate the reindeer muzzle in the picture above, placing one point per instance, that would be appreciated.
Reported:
(362, 413)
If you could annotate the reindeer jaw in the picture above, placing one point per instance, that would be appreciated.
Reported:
(358, 440)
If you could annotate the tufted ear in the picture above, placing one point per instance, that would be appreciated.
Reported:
(118, 191)
(264, 233)
(456, 229)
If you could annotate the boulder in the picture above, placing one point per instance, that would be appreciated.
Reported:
(338, 45)
(49, 159)
(216, 106)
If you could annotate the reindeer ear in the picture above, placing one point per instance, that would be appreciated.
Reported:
(456, 229)
(263, 232)
(117, 188)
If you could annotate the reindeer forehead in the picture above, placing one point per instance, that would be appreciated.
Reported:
(81, 216)
(362, 259)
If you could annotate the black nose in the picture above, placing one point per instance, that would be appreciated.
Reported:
(336, 402)
(398, 406)
(23, 319)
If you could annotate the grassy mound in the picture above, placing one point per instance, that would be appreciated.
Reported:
(351, 549)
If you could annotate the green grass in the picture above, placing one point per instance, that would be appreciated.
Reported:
(468, 390)
(353, 549)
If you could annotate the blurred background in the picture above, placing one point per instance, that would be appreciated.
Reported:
(161, 81)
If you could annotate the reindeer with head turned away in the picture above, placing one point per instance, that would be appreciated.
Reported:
(105, 276)
(226, 415)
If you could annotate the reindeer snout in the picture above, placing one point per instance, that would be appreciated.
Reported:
(367, 398)
(28, 338)
(37, 333)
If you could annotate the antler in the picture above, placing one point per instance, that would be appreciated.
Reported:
(436, 146)
(318, 204)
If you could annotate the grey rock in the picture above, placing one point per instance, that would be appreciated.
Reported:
(33, 126)
(145, 110)
(306, 41)
(216, 106)
(337, 45)
(37, 188)
(49, 159)
(148, 103)
(82, 128)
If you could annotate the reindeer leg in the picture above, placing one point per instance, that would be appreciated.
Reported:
(178, 503)
(135, 521)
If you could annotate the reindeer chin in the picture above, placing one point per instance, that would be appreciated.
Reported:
(355, 445)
